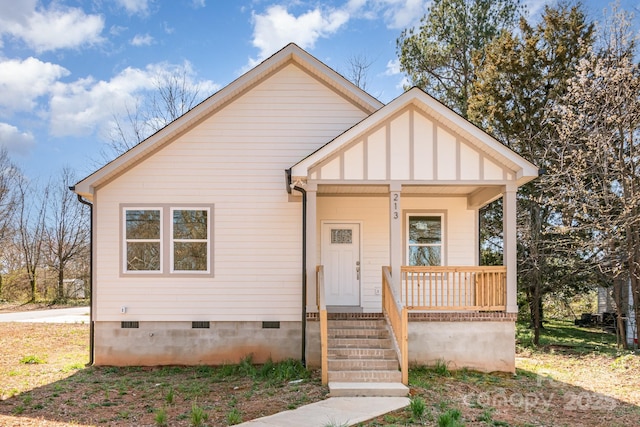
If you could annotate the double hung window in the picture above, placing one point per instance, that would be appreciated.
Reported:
(189, 240)
(143, 237)
(424, 239)
(167, 240)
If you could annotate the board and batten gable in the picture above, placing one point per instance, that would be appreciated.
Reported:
(410, 146)
(233, 161)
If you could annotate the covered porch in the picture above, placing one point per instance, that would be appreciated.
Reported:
(392, 229)
(429, 244)
(414, 300)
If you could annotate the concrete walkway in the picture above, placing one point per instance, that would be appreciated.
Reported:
(58, 315)
(334, 412)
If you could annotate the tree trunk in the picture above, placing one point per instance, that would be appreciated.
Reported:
(60, 294)
(635, 297)
(536, 302)
(32, 284)
(535, 267)
(621, 306)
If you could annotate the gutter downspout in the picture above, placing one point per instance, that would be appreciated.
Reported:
(91, 323)
(290, 187)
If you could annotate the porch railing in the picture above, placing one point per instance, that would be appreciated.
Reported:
(396, 314)
(322, 312)
(454, 288)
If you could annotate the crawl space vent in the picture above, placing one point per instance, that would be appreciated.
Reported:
(270, 325)
(200, 325)
(129, 325)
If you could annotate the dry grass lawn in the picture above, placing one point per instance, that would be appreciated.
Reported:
(571, 382)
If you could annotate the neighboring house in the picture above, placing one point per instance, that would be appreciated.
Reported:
(202, 232)
(632, 327)
(607, 307)
(74, 288)
(606, 304)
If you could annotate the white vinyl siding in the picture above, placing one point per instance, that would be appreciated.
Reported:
(236, 160)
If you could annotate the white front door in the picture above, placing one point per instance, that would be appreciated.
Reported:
(341, 260)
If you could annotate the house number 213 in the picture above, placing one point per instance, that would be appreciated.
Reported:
(395, 205)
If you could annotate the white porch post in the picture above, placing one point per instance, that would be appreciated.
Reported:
(510, 245)
(395, 232)
(312, 259)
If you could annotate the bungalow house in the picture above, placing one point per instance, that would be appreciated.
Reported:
(293, 215)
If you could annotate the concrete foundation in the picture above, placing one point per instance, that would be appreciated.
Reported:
(480, 341)
(176, 343)
(313, 350)
(484, 346)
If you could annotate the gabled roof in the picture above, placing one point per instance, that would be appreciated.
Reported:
(417, 98)
(289, 54)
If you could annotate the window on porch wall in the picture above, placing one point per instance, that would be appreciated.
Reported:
(424, 240)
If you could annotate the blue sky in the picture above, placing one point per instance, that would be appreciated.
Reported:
(67, 67)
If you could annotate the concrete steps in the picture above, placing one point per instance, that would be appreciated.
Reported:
(366, 376)
(355, 389)
(361, 359)
(361, 353)
(362, 364)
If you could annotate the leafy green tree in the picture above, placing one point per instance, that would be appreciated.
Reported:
(442, 56)
(518, 82)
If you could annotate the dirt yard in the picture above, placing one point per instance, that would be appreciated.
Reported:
(43, 382)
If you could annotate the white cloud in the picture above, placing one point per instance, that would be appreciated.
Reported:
(406, 13)
(198, 3)
(16, 11)
(78, 108)
(142, 40)
(397, 14)
(277, 27)
(535, 6)
(87, 106)
(23, 81)
(50, 29)
(116, 30)
(15, 141)
(135, 7)
(393, 67)
(167, 29)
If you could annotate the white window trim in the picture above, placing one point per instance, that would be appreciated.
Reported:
(126, 241)
(442, 234)
(172, 240)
